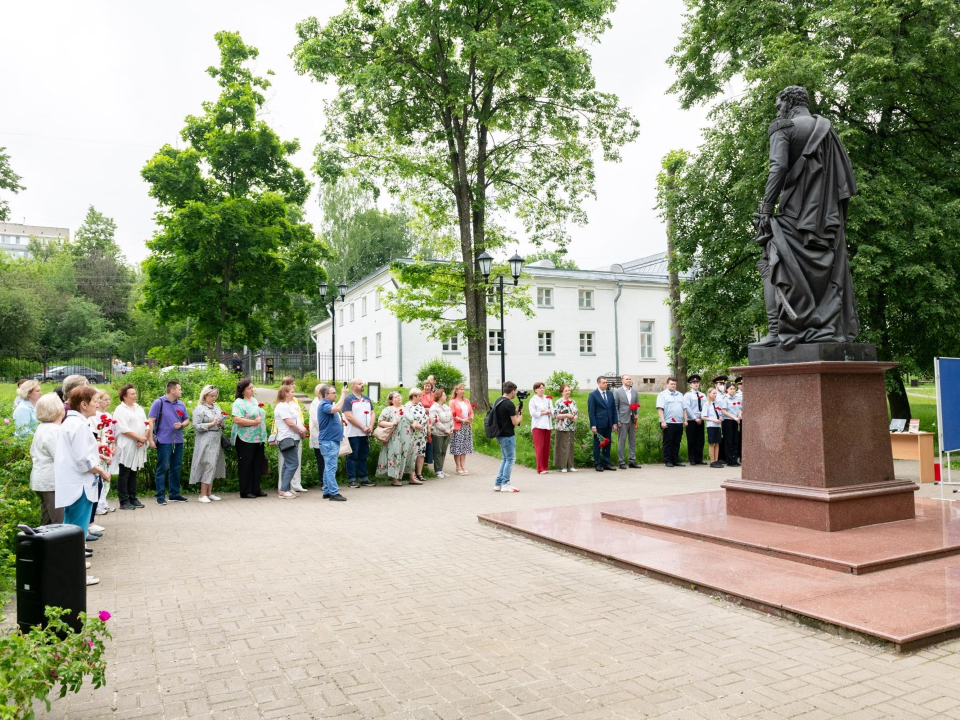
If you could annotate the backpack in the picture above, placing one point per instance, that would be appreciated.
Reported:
(490, 425)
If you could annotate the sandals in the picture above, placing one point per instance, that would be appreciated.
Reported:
(415, 482)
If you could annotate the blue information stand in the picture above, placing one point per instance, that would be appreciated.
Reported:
(947, 372)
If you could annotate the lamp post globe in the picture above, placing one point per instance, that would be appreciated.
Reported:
(516, 266)
(323, 291)
(342, 287)
(485, 260)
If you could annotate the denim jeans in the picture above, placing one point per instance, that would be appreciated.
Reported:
(508, 446)
(291, 463)
(330, 450)
(357, 460)
(169, 458)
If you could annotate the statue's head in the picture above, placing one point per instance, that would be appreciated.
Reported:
(790, 98)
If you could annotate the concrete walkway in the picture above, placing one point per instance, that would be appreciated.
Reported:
(398, 604)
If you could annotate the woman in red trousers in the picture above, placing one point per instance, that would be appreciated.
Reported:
(541, 417)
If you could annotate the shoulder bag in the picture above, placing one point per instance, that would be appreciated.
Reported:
(345, 448)
(383, 434)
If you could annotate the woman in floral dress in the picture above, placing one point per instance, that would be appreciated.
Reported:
(416, 415)
(565, 413)
(461, 440)
(394, 452)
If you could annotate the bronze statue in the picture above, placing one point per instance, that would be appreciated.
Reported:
(807, 286)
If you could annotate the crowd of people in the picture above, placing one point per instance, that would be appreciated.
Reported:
(78, 446)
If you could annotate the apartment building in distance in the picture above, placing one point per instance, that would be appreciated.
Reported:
(15, 238)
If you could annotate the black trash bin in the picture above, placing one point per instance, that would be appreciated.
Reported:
(51, 570)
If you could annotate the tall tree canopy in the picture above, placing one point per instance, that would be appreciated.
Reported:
(232, 252)
(473, 112)
(360, 237)
(885, 74)
(10, 181)
(103, 276)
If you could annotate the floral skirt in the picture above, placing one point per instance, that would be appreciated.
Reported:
(461, 441)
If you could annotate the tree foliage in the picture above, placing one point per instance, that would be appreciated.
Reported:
(557, 257)
(885, 75)
(232, 253)
(10, 181)
(103, 276)
(360, 237)
(473, 113)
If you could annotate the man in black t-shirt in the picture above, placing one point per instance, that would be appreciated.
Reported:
(508, 416)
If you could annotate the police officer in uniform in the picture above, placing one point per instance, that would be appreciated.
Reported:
(720, 383)
(673, 418)
(695, 402)
(738, 381)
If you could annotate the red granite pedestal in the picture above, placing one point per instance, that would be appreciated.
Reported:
(816, 448)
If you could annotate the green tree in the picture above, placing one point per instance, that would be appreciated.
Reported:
(103, 276)
(232, 253)
(360, 237)
(473, 113)
(557, 257)
(885, 76)
(9, 180)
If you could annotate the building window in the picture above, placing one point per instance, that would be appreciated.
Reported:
(363, 349)
(586, 343)
(341, 353)
(379, 345)
(451, 344)
(376, 300)
(586, 299)
(646, 340)
(363, 305)
(494, 341)
(352, 349)
(351, 312)
(545, 341)
(545, 297)
(340, 317)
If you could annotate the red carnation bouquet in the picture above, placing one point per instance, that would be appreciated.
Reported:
(634, 407)
(604, 442)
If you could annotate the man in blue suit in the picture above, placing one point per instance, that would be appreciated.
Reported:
(603, 422)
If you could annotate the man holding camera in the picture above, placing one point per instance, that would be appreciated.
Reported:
(507, 417)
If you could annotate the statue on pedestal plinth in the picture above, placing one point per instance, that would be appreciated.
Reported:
(807, 285)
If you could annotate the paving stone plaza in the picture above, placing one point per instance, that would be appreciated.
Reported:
(399, 604)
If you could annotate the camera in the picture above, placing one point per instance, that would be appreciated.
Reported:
(523, 394)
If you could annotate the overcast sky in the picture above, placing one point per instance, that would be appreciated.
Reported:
(92, 90)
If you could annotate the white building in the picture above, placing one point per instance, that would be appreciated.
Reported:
(586, 322)
(14, 238)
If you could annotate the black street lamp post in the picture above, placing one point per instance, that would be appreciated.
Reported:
(485, 260)
(342, 290)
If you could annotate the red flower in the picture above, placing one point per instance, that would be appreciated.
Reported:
(634, 407)
(104, 417)
(259, 404)
(147, 423)
(549, 397)
(673, 419)
(180, 414)
(366, 412)
(474, 407)
(568, 403)
(401, 413)
(604, 442)
(104, 615)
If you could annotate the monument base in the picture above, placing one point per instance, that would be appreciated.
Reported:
(816, 445)
(812, 352)
(826, 509)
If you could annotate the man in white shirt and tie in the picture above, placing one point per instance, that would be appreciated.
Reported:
(695, 402)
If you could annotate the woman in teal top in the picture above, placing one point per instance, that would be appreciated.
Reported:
(248, 435)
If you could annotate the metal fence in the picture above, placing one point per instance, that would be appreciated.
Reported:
(271, 365)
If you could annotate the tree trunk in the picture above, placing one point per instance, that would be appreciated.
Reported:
(678, 363)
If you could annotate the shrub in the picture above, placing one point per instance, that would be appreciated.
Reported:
(307, 383)
(558, 378)
(447, 374)
(151, 383)
(32, 664)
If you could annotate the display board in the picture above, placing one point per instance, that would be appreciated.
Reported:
(948, 402)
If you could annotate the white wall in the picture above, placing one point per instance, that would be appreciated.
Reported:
(639, 301)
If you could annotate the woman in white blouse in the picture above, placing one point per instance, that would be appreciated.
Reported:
(77, 464)
(541, 418)
(441, 427)
(42, 452)
(133, 436)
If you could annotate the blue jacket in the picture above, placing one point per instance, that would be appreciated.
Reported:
(602, 415)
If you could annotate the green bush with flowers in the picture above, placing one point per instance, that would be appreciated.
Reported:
(32, 664)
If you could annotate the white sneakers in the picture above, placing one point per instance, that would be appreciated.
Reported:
(287, 495)
(216, 497)
(96, 528)
(299, 490)
(507, 488)
(573, 469)
(91, 580)
(563, 469)
(204, 499)
(441, 474)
